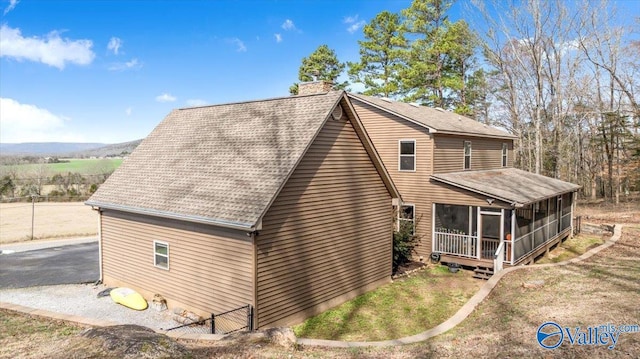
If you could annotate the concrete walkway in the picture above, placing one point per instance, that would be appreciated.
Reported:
(456, 319)
(9, 248)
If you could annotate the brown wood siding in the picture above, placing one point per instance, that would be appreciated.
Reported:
(486, 153)
(327, 234)
(436, 153)
(385, 130)
(210, 268)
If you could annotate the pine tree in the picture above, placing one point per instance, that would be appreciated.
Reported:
(381, 56)
(440, 58)
(321, 65)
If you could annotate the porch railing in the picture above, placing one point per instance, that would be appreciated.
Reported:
(457, 244)
(489, 247)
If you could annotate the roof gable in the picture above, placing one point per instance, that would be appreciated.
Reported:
(436, 120)
(219, 164)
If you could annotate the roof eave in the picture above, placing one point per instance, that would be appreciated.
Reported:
(177, 216)
(361, 131)
(430, 129)
(474, 190)
(512, 202)
(506, 136)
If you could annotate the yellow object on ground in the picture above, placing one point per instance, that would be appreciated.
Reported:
(129, 298)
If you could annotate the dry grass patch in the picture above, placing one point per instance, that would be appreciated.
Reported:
(25, 336)
(52, 220)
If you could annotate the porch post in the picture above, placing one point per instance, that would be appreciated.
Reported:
(513, 234)
(479, 232)
(533, 225)
(433, 227)
(501, 231)
(573, 203)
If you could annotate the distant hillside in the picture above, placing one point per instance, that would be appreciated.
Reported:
(67, 149)
(118, 149)
(45, 148)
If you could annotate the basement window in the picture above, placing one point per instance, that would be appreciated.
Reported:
(161, 254)
(407, 160)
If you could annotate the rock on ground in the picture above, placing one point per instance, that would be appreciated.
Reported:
(121, 341)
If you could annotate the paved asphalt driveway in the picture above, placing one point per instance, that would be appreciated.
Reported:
(70, 264)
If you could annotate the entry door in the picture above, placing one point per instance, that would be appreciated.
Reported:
(491, 232)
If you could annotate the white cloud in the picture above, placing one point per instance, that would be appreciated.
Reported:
(355, 27)
(51, 50)
(132, 64)
(165, 97)
(350, 19)
(195, 102)
(12, 5)
(114, 45)
(28, 123)
(238, 43)
(278, 37)
(288, 25)
(355, 23)
(128, 111)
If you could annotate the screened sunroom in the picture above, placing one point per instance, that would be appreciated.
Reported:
(524, 214)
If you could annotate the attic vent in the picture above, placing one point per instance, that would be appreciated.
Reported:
(386, 99)
(414, 104)
(337, 113)
(440, 109)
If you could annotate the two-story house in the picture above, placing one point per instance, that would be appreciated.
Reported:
(459, 188)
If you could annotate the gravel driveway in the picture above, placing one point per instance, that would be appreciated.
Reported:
(82, 300)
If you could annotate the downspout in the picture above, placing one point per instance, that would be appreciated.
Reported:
(101, 279)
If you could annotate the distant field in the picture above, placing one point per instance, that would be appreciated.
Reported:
(81, 166)
(52, 220)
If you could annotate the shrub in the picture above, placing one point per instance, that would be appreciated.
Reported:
(405, 239)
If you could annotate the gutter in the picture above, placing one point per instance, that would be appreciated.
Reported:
(170, 215)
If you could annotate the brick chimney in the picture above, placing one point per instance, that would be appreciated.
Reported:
(314, 87)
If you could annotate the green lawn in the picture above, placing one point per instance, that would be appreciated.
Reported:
(405, 307)
(81, 166)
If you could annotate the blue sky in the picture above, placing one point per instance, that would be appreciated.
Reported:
(110, 71)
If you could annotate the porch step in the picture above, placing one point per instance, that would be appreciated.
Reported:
(483, 273)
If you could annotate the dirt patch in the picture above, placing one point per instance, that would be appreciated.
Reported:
(51, 220)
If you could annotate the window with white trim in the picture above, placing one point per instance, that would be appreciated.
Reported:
(407, 155)
(467, 155)
(161, 254)
(505, 151)
(407, 218)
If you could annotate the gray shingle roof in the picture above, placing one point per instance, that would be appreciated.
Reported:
(220, 164)
(437, 120)
(509, 185)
